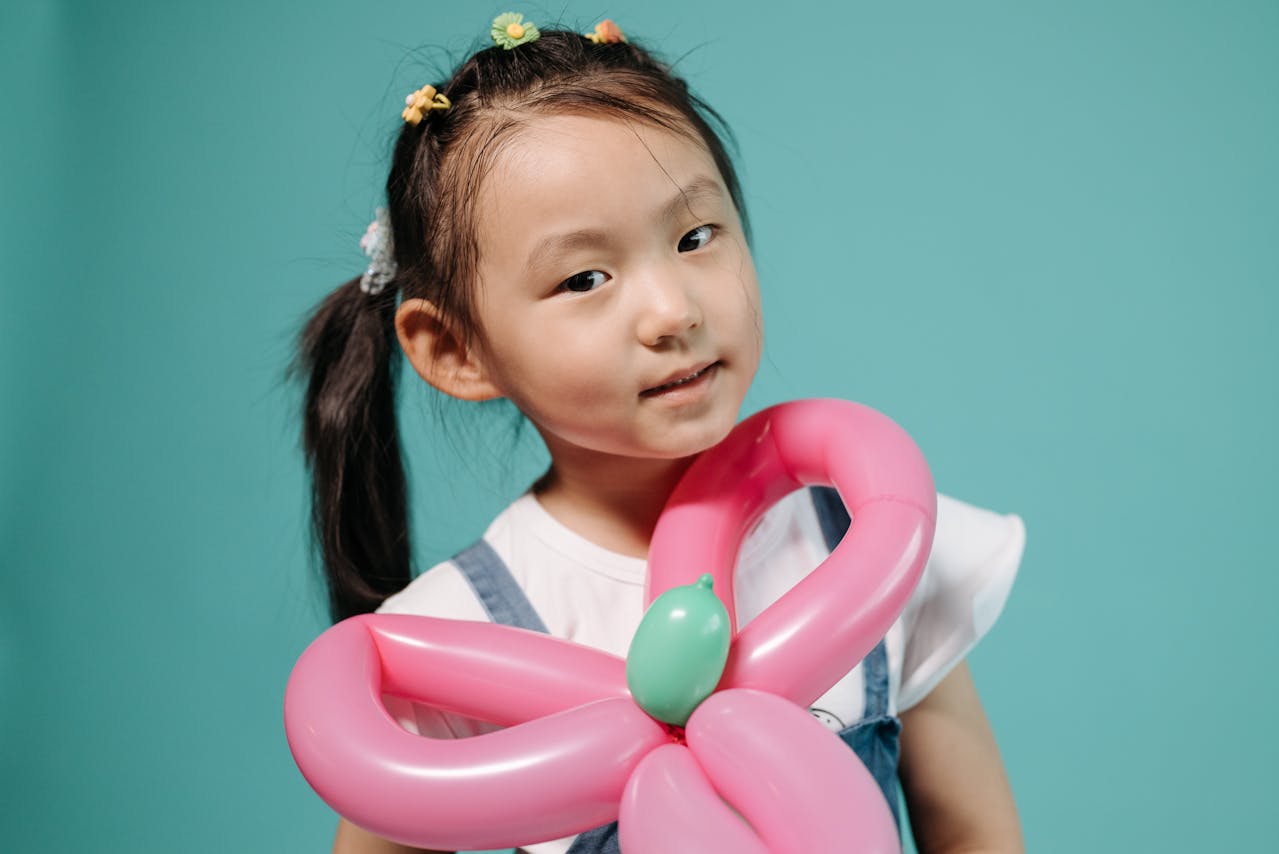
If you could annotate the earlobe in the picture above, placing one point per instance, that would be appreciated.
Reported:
(440, 354)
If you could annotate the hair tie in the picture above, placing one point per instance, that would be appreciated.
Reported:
(510, 31)
(606, 32)
(376, 244)
(423, 101)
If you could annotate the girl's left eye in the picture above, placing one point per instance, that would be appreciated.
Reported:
(697, 238)
(583, 282)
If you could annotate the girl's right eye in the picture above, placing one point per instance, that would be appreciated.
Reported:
(583, 282)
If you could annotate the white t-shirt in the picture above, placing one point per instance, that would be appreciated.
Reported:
(590, 595)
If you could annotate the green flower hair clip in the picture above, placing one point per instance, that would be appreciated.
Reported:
(509, 30)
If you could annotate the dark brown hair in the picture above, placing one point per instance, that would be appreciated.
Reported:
(347, 353)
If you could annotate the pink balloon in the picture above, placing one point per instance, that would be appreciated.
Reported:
(793, 780)
(826, 624)
(505, 677)
(551, 776)
(578, 751)
(669, 805)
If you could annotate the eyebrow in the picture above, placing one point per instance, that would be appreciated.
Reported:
(700, 188)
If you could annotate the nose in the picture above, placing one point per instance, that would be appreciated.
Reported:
(669, 307)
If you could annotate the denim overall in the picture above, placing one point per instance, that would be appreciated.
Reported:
(874, 738)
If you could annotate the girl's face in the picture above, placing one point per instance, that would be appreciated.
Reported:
(618, 305)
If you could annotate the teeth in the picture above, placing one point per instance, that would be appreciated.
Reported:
(687, 379)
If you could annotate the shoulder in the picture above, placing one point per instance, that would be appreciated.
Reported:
(441, 591)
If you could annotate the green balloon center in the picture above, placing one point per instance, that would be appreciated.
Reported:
(679, 650)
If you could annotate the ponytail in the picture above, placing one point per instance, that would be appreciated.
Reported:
(359, 507)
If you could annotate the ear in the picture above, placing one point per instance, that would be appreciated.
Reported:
(439, 354)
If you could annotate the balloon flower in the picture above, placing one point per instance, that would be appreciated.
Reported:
(710, 747)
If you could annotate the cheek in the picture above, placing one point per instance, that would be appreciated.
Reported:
(739, 269)
(564, 371)
(750, 314)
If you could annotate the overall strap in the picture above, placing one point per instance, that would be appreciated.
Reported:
(875, 675)
(834, 520)
(831, 514)
(507, 605)
(876, 737)
(496, 588)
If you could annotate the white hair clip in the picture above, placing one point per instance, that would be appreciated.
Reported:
(376, 244)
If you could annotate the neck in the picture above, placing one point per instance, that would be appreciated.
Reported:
(612, 501)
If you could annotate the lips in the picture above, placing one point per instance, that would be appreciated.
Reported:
(679, 378)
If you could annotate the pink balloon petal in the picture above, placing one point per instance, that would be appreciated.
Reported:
(817, 631)
(543, 779)
(494, 673)
(793, 780)
(669, 806)
(822, 627)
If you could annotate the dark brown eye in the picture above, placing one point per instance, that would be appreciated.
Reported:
(697, 238)
(583, 282)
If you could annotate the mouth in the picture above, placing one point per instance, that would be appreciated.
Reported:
(683, 379)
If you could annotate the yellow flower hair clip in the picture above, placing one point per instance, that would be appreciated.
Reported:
(606, 32)
(422, 102)
(509, 30)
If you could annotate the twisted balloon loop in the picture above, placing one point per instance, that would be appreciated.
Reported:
(578, 749)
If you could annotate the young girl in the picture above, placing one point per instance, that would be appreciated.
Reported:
(565, 230)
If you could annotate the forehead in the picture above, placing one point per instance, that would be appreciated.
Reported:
(564, 171)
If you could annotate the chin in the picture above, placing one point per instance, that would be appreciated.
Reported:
(695, 440)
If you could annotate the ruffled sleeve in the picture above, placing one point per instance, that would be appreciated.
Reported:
(965, 584)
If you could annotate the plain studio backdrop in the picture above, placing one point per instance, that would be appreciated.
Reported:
(1043, 237)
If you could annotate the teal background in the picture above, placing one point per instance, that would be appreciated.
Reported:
(1044, 237)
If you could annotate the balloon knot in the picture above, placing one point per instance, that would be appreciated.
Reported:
(676, 733)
